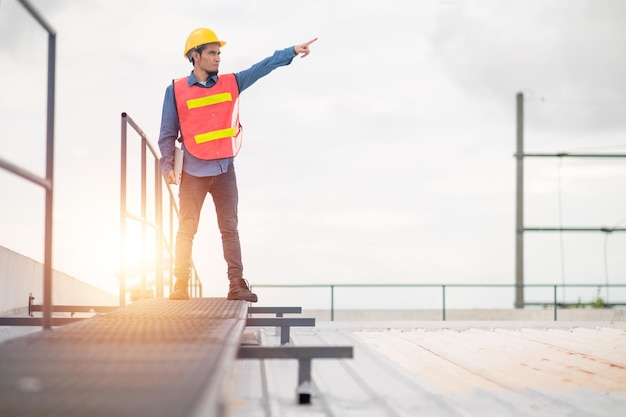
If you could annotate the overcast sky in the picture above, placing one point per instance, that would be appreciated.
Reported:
(385, 156)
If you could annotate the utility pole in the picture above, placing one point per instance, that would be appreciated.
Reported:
(519, 208)
(520, 228)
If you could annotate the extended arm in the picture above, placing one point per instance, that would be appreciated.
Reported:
(280, 58)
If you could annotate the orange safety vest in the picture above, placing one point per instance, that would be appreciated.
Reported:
(209, 117)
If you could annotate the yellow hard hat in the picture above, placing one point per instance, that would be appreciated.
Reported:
(199, 37)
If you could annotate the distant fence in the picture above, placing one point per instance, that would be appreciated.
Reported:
(554, 303)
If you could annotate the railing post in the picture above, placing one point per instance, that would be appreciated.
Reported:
(47, 291)
(519, 204)
(144, 199)
(124, 156)
(158, 213)
(332, 303)
(170, 275)
(443, 289)
(555, 304)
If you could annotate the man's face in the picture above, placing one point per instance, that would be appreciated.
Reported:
(209, 60)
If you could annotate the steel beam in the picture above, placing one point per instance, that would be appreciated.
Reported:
(283, 323)
(304, 355)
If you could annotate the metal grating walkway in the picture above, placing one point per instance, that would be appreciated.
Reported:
(153, 358)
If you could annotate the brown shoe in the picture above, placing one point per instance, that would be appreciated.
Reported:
(239, 290)
(180, 290)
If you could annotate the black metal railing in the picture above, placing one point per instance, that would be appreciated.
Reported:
(164, 241)
(554, 303)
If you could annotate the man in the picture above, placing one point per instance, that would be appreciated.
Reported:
(204, 107)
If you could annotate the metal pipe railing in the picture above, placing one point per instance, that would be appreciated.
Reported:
(444, 287)
(164, 241)
(48, 182)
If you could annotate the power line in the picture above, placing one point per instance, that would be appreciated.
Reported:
(544, 100)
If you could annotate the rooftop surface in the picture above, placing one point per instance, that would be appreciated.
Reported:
(400, 368)
(445, 369)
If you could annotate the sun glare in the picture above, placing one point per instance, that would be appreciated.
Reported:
(139, 251)
(139, 261)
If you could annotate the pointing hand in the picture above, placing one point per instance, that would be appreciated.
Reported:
(303, 48)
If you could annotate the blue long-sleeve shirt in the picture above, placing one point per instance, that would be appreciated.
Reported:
(170, 125)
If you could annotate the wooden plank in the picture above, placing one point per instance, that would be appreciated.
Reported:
(603, 344)
(413, 352)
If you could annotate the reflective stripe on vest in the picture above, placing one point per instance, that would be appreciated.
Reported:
(209, 117)
(208, 100)
(215, 135)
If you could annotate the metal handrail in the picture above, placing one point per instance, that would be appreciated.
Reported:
(163, 241)
(48, 182)
(443, 287)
